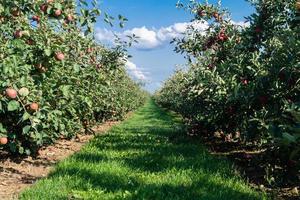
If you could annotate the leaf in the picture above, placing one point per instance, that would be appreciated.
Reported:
(2, 129)
(289, 137)
(26, 129)
(48, 52)
(24, 92)
(25, 116)
(65, 89)
(13, 105)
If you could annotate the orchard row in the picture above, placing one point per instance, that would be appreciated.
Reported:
(242, 80)
(55, 79)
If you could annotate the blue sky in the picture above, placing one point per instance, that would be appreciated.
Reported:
(156, 22)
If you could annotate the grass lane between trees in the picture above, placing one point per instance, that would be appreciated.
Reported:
(146, 157)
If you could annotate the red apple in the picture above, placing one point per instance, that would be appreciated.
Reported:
(44, 8)
(11, 93)
(258, 30)
(59, 56)
(222, 37)
(18, 34)
(30, 42)
(34, 107)
(70, 18)
(36, 18)
(3, 140)
(245, 81)
(89, 50)
(57, 13)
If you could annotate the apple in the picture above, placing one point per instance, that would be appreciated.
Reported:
(29, 42)
(59, 56)
(44, 8)
(34, 107)
(11, 93)
(3, 140)
(245, 81)
(57, 13)
(89, 50)
(258, 30)
(18, 34)
(36, 18)
(70, 18)
(222, 37)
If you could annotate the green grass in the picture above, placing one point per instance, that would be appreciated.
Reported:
(145, 157)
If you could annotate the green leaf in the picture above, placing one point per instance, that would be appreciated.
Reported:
(24, 92)
(13, 105)
(21, 150)
(25, 116)
(48, 52)
(289, 137)
(2, 129)
(26, 129)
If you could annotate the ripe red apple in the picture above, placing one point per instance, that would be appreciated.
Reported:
(34, 107)
(18, 34)
(57, 13)
(70, 18)
(44, 8)
(245, 81)
(11, 93)
(3, 140)
(36, 18)
(258, 30)
(59, 56)
(89, 50)
(29, 42)
(222, 37)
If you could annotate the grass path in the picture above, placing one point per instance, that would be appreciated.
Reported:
(145, 157)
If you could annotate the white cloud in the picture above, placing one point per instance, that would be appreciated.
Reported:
(241, 23)
(147, 38)
(151, 38)
(135, 71)
(104, 35)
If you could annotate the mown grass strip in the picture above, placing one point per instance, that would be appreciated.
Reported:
(145, 157)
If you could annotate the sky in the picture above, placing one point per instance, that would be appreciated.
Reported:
(156, 22)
